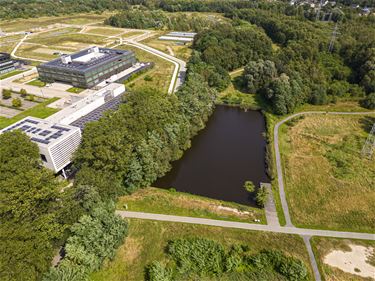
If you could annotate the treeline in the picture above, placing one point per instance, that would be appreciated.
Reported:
(157, 19)
(303, 70)
(37, 216)
(199, 258)
(10, 9)
(133, 146)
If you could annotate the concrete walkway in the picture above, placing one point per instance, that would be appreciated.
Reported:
(280, 180)
(248, 226)
(270, 207)
(314, 265)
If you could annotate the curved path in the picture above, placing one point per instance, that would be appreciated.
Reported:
(280, 180)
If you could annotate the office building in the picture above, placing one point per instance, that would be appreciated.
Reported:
(56, 142)
(6, 63)
(86, 68)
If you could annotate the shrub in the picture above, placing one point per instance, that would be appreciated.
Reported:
(7, 94)
(249, 186)
(30, 97)
(262, 196)
(66, 272)
(369, 101)
(23, 93)
(197, 255)
(148, 78)
(16, 102)
(157, 272)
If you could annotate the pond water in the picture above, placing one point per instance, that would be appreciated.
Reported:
(229, 151)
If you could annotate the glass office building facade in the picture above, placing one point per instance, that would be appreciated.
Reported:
(87, 68)
(6, 63)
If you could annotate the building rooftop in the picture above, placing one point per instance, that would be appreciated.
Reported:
(87, 59)
(40, 131)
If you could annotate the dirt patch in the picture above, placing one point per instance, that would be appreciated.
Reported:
(354, 261)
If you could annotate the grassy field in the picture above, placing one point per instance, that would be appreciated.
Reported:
(323, 246)
(41, 111)
(160, 74)
(75, 90)
(147, 240)
(169, 47)
(161, 201)
(28, 24)
(328, 183)
(37, 83)
(105, 31)
(10, 74)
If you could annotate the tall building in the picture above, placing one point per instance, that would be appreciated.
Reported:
(86, 68)
(6, 63)
(56, 142)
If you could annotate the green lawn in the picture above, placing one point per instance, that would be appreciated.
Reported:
(41, 111)
(10, 74)
(75, 90)
(37, 83)
(329, 184)
(161, 73)
(161, 201)
(147, 240)
(323, 246)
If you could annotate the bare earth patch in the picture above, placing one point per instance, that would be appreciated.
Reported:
(354, 261)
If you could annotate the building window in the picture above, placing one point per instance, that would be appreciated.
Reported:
(44, 159)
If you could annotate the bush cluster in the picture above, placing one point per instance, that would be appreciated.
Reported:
(199, 257)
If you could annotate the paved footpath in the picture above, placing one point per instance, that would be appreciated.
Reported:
(248, 226)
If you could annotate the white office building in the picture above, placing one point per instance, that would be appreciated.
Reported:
(56, 142)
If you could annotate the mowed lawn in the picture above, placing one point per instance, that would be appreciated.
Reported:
(328, 183)
(147, 240)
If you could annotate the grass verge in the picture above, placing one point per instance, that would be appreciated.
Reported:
(10, 74)
(170, 202)
(37, 83)
(75, 90)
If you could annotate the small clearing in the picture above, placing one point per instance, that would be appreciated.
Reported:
(354, 261)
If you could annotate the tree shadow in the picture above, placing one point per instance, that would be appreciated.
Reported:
(367, 122)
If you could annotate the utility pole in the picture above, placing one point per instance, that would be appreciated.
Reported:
(318, 12)
(333, 37)
(369, 145)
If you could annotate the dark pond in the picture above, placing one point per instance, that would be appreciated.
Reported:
(229, 151)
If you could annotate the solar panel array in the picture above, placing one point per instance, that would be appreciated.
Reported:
(38, 134)
(96, 114)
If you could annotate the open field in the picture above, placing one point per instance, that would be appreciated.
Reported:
(329, 185)
(105, 31)
(323, 246)
(176, 49)
(41, 111)
(161, 201)
(28, 24)
(160, 74)
(147, 240)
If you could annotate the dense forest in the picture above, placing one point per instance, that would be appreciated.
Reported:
(286, 54)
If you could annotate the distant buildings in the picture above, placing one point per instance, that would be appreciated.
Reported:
(179, 36)
(6, 63)
(86, 68)
(56, 142)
